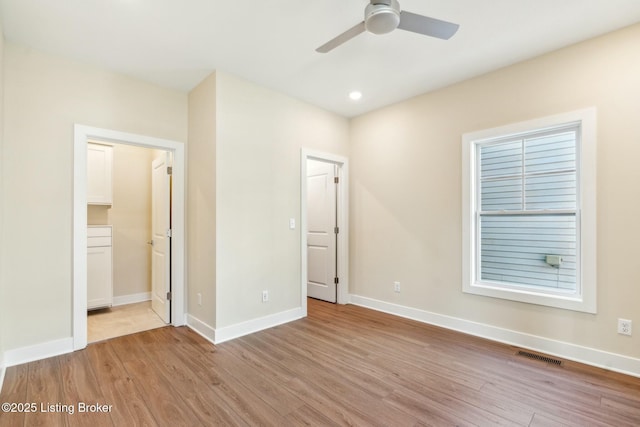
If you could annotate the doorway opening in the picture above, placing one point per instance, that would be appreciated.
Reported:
(173, 234)
(324, 227)
(128, 254)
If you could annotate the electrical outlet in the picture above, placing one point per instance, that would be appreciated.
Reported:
(396, 287)
(624, 327)
(199, 298)
(265, 296)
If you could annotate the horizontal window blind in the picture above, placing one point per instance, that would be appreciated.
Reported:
(527, 209)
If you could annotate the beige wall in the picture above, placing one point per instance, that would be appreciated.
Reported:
(244, 185)
(130, 216)
(44, 97)
(406, 189)
(201, 201)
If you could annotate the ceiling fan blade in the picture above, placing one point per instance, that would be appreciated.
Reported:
(346, 36)
(427, 26)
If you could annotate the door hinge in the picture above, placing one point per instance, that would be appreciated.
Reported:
(336, 230)
(169, 233)
(336, 180)
(169, 170)
(169, 296)
(336, 280)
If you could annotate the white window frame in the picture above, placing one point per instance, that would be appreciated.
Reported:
(584, 299)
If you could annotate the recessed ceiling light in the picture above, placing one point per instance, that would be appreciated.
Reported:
(355, 95)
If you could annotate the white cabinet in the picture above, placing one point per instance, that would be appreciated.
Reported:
(99, 174)
(99, 267)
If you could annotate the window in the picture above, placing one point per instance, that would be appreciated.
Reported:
(529, 212)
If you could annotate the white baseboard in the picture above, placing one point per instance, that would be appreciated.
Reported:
(131, 298)
(206, 331)
(245, 328)
(589, 356)
(31, 353)
(65, 345)
(227, 333)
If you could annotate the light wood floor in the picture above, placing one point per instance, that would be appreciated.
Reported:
(121, 320)
(343, 365)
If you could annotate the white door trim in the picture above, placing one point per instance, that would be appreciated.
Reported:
(343, 223)
(81, 135)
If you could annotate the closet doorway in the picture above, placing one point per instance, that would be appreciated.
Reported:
(129, 253)
(319, 172)
(172, 307)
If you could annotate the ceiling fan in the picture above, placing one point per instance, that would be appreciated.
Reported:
(384, 16)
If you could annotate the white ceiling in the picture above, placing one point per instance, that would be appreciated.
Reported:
(176, 43)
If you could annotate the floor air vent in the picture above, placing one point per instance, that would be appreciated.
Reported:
(540, 358)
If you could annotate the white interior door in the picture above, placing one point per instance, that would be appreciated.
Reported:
(321, 230)
(160, 240)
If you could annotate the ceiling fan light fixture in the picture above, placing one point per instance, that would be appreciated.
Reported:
(382, 18)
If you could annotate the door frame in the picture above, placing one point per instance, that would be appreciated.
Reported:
(81, 136)
(343, 223)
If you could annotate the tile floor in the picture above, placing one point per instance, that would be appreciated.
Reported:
(122, 320)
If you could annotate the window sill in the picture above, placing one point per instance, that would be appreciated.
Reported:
(528, 296)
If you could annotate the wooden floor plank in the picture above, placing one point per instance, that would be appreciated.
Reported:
(303, 386)
(342, 365)
(307, 362)
(271, 392)
(118, 389)
(167, 407)
(81, 388)
(540, 420)
(14, 392)
(200, 398)
(248, 406)
(44, 389)
(308, 416)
